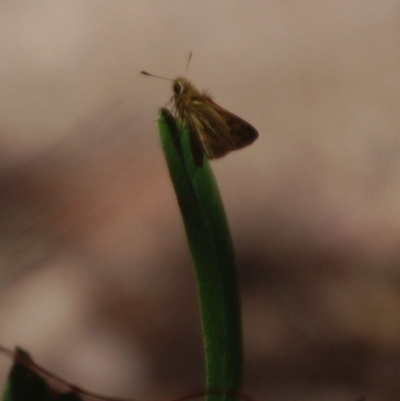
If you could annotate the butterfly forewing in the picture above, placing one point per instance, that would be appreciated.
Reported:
(214, 129)
(238, 134)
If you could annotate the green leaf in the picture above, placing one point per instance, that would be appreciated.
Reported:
(212, 252)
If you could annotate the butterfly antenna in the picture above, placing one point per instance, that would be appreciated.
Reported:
(154, 76)
(188, 62)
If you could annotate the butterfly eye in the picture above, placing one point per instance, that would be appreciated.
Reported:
(177, 88)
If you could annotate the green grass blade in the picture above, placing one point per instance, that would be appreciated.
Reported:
(212, 252)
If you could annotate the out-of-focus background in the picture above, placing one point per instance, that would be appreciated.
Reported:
(95, 275)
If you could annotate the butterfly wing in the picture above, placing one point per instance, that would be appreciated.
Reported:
(219, 131)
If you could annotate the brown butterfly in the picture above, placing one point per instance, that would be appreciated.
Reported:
(213, 130)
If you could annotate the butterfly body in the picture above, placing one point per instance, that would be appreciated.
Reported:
(213, 130)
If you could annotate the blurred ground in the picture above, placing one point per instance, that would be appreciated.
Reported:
(96, 279)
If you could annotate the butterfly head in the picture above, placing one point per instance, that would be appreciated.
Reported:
(180, 86)
(184, 91)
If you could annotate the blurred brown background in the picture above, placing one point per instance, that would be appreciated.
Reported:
(95, 274)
